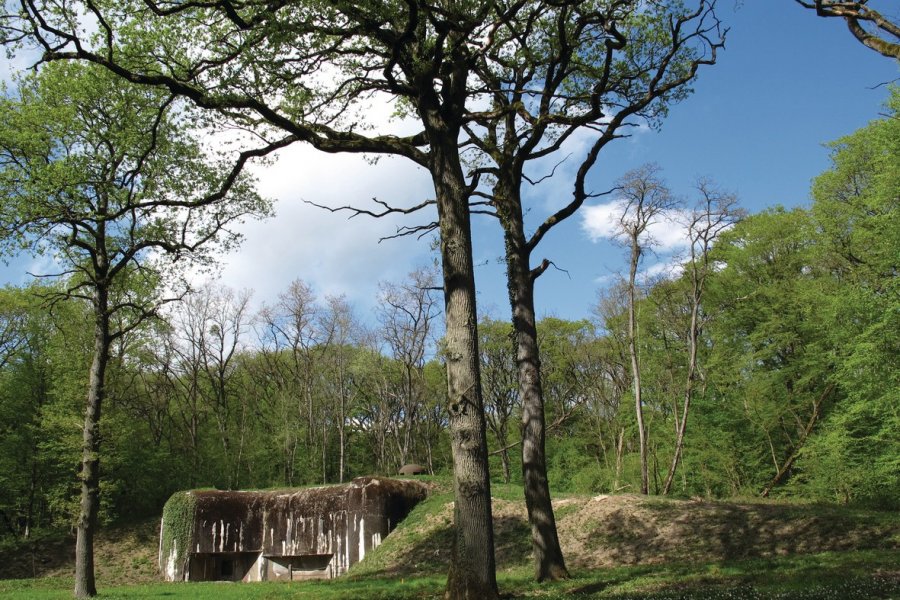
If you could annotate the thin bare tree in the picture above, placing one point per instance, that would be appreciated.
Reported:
(644, 201)
(715, 212)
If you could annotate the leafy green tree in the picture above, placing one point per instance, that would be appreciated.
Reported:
(107, 179)
(713, 214)
(855, 211)
(406, 313)
(341, 328)
(24, 390)
(771, 350)
(645, 201)
(498, 375)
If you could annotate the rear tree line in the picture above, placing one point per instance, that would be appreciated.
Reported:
(204, 396)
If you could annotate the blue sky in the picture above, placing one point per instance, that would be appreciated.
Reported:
(787, 83)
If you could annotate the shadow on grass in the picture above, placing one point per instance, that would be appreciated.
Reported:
(829, 576)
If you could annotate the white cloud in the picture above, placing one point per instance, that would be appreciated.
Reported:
(668, 269)
(666, 235)
(601, 221)
(334, 254)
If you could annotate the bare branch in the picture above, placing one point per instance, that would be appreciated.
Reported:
(883, 35)
(388, 209)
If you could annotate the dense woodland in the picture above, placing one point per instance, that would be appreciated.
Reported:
(765, 366)
(795, 394)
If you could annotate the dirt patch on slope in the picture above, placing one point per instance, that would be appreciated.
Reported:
(606, 531)
(630, 529)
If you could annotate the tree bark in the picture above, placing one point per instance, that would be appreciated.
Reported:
(548, 558)
(343, 417)
(472, 566)
(504, 461)
(85, 585)
(620, 452)
(32, 490)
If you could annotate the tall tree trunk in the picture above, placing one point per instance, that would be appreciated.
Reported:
(504, 460)
(85, 585)
(472, 567)
(324, 450)
(32, 490)
(635, 367)
(548, 557)
(620, 451)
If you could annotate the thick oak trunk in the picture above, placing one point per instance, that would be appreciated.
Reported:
(85, 585)
(472, 567)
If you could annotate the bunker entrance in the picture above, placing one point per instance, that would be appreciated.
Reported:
(299, 567)
(222, 566)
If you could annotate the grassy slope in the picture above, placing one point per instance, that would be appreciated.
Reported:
(618, 547)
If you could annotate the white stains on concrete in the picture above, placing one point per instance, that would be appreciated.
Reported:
(170, 562)
(362, 538)
(222, 535)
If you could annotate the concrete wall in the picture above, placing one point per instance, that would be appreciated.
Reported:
(290, 534)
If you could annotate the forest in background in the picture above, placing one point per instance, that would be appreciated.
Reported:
(795, 393)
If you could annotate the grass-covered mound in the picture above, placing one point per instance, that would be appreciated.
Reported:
(611, 531)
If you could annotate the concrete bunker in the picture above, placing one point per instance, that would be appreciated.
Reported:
(294, 534)
(413, 469)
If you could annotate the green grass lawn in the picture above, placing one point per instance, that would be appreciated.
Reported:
(851, 575)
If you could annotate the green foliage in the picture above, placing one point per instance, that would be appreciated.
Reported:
(178, 518)
(807, 343)
(856, 456)
(573, 470)
(93, 167)
(41, 386)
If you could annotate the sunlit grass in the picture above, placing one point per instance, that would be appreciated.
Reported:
(827, 576)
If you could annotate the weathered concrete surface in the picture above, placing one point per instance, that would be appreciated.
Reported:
(288, 534)
(413, 469)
